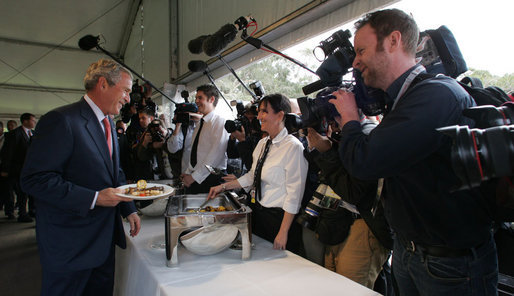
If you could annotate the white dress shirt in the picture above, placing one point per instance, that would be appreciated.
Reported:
(283, 174)
(27, 131)
(177, 142)
(212, 147)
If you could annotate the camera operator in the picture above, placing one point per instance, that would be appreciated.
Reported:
(357, 237)
(443, 243)
(243, 140)
(151, 159)
(140, 98)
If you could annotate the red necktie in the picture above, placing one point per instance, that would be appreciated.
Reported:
(107, 127)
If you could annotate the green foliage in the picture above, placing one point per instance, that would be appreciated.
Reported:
(505, 82)
(276, 74)
(279, 75)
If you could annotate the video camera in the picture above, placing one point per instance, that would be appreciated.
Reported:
(182, 110)
(155, 131)
(338, 54)
(138, 92)
(486, 151)
(242, 120)
(252, 125)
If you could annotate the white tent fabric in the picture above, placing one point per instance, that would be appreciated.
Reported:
(41, 66)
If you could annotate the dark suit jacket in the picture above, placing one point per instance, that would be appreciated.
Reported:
(14, 151)
(68, 161)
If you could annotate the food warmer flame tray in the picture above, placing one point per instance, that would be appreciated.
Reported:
(183, 215)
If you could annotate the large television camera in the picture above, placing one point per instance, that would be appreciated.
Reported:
(486, 151)
(338, 54)
(182, 110)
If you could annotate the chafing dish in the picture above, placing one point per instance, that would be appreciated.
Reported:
(206, 233)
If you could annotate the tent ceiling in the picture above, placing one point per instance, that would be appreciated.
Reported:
(41, 66)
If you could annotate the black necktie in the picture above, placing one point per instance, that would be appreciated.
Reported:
(195, 145)
(258, 170)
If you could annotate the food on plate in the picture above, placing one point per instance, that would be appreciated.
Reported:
(141, 189)
(141, 184)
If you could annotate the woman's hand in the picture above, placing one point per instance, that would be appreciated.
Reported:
(214, 191)
(280, 240)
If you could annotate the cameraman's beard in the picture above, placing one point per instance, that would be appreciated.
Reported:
(377, 71)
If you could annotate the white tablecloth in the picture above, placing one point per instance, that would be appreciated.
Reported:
(141, 270)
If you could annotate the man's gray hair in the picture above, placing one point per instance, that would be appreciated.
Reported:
(109, 69)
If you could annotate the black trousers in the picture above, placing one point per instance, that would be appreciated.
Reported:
(266, 224)
(205, 186)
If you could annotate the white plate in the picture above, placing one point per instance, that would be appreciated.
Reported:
(167, 191)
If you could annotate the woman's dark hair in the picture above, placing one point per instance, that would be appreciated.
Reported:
(278, 102)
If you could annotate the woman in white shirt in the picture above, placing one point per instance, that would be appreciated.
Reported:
(277, 194)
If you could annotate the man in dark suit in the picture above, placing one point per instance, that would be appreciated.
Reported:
(72, 170)
(13, 158)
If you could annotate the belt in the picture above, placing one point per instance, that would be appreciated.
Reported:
(436, 251)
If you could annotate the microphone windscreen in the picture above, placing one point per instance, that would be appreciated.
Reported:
(89, 41)
(197, 66)
(195, 45)
(213, 44)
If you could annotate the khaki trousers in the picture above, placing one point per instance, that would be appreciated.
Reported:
(360, 257)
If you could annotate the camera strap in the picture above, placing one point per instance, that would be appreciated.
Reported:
(407, 83)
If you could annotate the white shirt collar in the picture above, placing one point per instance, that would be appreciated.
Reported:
(26, 130)
(281, 135)
(99, 114)
(209, 116)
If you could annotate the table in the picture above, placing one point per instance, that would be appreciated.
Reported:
(141, 270)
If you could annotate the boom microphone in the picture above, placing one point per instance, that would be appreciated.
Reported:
(89, 41)
(213, 44)
(195, 45)
(197, 66)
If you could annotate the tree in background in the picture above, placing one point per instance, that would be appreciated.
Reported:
(505, 82)
(276, 74)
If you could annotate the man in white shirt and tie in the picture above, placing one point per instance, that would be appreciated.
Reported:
(208, 146)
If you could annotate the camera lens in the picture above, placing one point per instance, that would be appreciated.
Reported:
(232, 125)
(319, 53)
(309, 217)
(481, 154)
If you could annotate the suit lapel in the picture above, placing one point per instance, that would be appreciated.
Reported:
(95, 131)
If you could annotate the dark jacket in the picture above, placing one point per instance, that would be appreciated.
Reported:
(360, 193)
(67, 163)
(14, 151)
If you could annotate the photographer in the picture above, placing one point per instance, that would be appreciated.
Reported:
(443, 243)
(357, 237)
(243, 140)
(151, 159)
